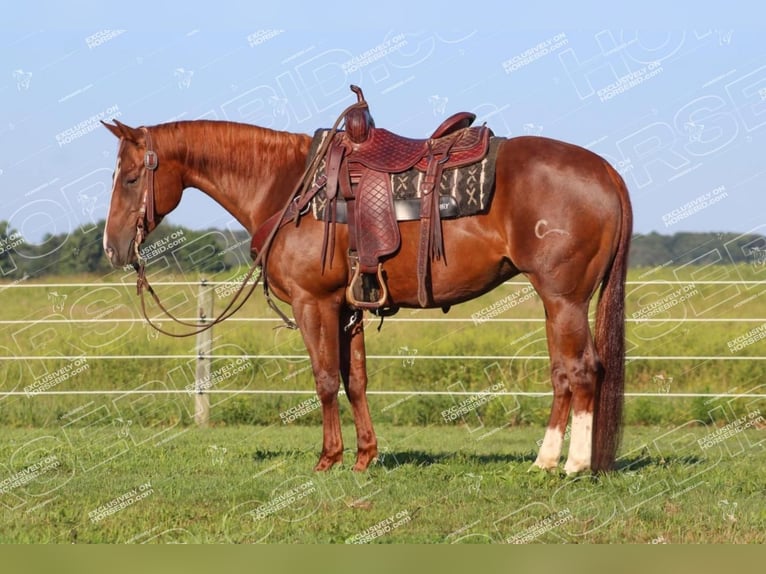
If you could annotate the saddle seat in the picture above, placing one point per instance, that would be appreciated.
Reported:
(388, 152)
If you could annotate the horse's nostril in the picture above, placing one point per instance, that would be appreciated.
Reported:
(109, 252)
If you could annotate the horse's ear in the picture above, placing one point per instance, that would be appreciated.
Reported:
(112, 128)
(121, 130)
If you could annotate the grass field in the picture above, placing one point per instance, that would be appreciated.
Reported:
(134, 468)
(433, 485)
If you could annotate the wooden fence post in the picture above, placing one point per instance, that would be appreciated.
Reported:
(204, 348)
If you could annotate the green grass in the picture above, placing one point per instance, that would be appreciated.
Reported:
(433, 485)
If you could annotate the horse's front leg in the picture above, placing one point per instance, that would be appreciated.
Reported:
(353, 370)
(319, 322)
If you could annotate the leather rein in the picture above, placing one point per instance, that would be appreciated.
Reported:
(146, 222)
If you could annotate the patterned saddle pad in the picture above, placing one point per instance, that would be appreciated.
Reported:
(470, 188)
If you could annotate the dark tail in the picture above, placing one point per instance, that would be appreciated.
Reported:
(610, 343)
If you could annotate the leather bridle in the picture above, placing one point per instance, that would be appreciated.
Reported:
(147, 215)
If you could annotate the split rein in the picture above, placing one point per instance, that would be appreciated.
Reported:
(146, 220)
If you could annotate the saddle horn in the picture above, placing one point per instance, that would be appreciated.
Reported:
(358, 91)
(359, 121)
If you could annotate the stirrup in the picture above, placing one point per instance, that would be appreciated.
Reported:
(367, 290)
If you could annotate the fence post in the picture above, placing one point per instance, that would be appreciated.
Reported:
(204, 348)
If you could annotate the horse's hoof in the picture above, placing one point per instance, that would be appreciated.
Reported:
(364, 459)
(547, 466)
(573, 468)
(327, 462)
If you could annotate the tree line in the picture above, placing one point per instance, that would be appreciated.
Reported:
(210, 251)
(654, 249)
(176, 248)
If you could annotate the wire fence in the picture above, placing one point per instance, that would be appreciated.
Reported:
(200, 356)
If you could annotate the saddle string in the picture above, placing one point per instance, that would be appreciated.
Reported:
(301, 189)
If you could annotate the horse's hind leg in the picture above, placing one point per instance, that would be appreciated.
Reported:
(353, 370)
(319, 324)
(574, 376)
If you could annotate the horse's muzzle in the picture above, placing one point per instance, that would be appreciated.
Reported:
(118, 257)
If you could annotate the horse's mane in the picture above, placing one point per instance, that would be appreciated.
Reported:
(246, 149)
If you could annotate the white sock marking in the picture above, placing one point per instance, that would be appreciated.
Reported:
(580, 443)
(548, 457)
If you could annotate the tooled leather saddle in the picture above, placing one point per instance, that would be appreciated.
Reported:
(359, 162)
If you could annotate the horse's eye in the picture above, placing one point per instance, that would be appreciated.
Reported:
(132, 180)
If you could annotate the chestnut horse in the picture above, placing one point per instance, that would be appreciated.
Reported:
(561, 216)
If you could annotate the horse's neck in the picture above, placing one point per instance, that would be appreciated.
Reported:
(250, 171)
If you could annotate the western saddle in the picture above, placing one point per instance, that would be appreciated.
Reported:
(359, 162)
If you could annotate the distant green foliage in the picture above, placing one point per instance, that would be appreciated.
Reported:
(701, 248)
(81, 251)
(208, 251)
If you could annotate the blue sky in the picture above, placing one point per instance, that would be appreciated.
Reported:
(681, 112)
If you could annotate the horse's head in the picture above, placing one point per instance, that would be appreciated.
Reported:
(144, 189)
